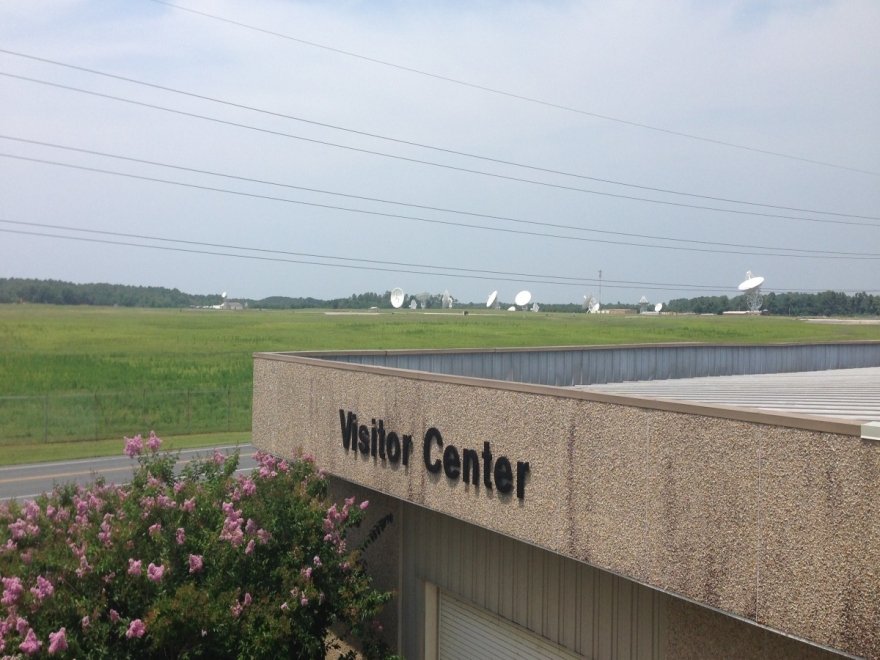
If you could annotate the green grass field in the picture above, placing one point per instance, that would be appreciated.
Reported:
(72, 373)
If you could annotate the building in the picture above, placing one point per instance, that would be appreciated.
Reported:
(538, 512)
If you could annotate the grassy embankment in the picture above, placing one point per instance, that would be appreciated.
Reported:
(84, 371)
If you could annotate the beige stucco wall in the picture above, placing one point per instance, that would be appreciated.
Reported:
(774, 524)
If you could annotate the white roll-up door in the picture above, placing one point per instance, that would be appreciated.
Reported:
(466, 632)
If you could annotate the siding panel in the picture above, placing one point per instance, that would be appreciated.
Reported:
(581, 608)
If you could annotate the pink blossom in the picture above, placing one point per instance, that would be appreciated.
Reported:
(189, 505)
(250, 547)
(134, 566)
(21, 626)
(247, 599)
(248, 487)
(303, 601)
(179, 486)
(219, 457)
(365, 504)
(44, 588)
(84, 567)
(58, 641)
(284, 606)
(196, 563)
(154, 442)
(136, 629)
(12, 590)
(31, 645)
(306, 572)
(181, 536)
(316, 561)
(155, 573)
(31, 510)
(155, 529)
(114, 616)
(236, 609)
(134, 446)
(85, 622)
(263, 535)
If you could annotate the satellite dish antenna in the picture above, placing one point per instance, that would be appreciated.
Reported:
(512, 308)
(522, 298)
(413, 304)
(447, 300)
(397, 298)
(535, 307)
(751, 287)
(586, 304)
(658, 307)
(223, 295)
(493, 297)
(594, 306)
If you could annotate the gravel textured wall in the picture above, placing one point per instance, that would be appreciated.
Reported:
(776, 524)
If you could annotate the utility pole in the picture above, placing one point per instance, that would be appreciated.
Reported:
(600, 285)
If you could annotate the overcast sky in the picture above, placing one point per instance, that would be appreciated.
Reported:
(585, 87)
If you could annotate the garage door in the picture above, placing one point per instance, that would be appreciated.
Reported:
(466, 632)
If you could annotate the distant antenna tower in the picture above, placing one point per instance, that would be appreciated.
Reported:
(492, 300)
(447, 300)
(751, 287)
(643, 305)
(397, 297)
(536, 307)
(523, 298)
(413, 304)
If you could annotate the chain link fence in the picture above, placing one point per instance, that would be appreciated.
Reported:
(70, 417)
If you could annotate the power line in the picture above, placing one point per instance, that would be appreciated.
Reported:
(418, 218)
(432, 163)
(422, 206)
(469, 273)
(412, 143)
(519, 97)
(374, 264)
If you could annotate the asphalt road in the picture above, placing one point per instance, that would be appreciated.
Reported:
(27, 481)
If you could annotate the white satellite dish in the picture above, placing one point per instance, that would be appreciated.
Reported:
(750, 282)
(447, 300)
(751, 286)
(223, 295)
(492, 298)
(658, 307)
(397, 297)
(535, 307)
(413, 304)
(522, 298)
(512, 308)
(594, 308)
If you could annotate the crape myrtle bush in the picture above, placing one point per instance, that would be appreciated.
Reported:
(207, 564)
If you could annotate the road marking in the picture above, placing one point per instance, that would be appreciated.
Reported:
(95, 472)
(104, 459)
(36, 495)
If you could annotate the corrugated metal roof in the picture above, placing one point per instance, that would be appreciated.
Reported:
(851, 394)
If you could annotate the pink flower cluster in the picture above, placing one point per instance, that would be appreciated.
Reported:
(135, 446)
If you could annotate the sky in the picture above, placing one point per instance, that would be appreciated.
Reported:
(286, 148)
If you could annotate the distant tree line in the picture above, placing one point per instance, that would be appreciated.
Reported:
(826, 303)
(55, 292)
